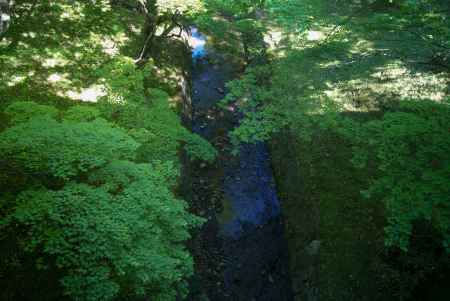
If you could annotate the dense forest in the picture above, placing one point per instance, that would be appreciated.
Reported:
(117, 184)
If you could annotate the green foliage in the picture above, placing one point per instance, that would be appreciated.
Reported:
(125, 240)
(60, 39)
(147, 114)
(228, 8)
(411, 149)
(367, 77)
(243, 37)
(113, 227)
(22, 111)
(158, 128)
(251, 94)
(123, 81)
(312, 84)
(185, 7)
(296, 16)
(198, 148)
(81, 113)
(65, 149)
(90, 201)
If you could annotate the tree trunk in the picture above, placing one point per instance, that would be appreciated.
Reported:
(150, 10)
(5, 16)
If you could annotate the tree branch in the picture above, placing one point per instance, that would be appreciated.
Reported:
(173, 23)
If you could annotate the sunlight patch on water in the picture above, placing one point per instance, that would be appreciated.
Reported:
(198, 42)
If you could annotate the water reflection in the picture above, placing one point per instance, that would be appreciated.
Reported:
(247, 252)
(197, 41)
(250, 191)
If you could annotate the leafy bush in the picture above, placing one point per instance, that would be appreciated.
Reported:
(81, 113)
(198, 148)
(411, 148)
(158, 128)
(77, 203)
(65, 149)
(21, 111)
(407, 148)
(147, 114)
(112, 227)
(123, 82)
(127, 241)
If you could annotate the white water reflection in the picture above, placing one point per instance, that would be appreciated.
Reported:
(197, 41)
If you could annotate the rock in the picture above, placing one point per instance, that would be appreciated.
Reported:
(260, 14)
(313, 248)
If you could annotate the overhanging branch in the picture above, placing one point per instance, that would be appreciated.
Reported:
(167, 33)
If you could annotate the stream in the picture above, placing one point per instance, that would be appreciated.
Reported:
(241, 252)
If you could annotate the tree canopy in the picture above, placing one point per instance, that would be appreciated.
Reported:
(356, 62)
(91, 138)
(90, 157)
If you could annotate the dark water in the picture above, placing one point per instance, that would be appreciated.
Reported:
(245, 235)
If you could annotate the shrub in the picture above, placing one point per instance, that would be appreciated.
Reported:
(81, 113)
(112, 227)
(109, 241)
(158, 128)
(411, 148)
(21, 111)
(198, 148)
(123, 82)
(65, 149)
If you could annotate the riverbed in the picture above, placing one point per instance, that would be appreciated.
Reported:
(241, 252)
